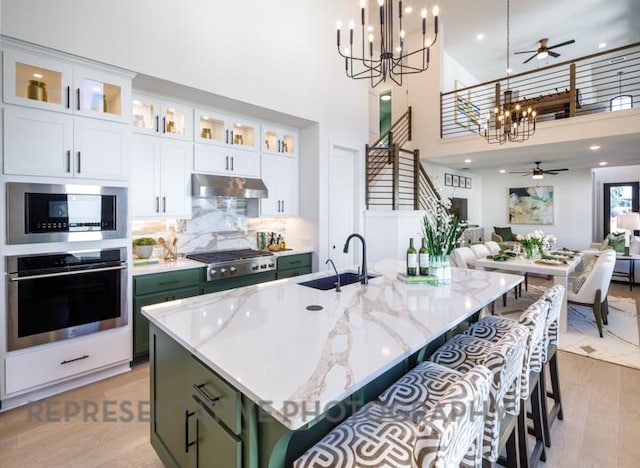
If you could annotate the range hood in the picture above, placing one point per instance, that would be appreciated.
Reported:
(208, 185)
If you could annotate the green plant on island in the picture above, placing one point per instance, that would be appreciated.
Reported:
(441, 229)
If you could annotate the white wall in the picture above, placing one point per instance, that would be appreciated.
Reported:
(573, 208)
(278, 55)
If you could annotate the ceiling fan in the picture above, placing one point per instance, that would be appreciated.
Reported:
(544, 50)
(537, 172)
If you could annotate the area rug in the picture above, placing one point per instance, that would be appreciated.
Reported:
(621, 341)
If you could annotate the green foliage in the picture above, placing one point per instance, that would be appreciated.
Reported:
(144, 241)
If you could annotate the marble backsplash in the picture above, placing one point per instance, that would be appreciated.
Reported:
(217, 224)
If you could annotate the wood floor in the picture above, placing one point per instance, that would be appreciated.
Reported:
(601, 426)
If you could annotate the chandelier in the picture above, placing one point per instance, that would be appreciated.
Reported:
(510, 121)
(394, 56)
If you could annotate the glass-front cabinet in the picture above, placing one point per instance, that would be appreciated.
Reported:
(155, 116)
(279, 140)
(44, 83)
(215, 128)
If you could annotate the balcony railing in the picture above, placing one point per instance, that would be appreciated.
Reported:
(602, 82)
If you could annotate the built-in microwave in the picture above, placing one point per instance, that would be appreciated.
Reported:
(69, 212)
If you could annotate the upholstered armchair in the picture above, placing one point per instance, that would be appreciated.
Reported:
(504, 236)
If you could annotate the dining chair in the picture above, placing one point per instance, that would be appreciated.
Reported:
(463, 257)
(494, 247)
(591, 287)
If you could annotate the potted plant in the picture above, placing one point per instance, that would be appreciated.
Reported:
(442, 230)
(143, 246)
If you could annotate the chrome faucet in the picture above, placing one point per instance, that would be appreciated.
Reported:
(337, 275)
(364, 277)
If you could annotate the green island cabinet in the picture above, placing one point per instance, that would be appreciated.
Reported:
(294, 265)
(198, 419)
(153, 289)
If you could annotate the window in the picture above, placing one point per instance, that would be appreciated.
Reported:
(621, 102)
(619, 197)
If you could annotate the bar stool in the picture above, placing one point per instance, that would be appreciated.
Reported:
(505, 359)
(492, 328)
(375, 436)
(554, 295)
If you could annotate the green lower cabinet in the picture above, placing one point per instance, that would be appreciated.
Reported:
(294, 265)
(156, 288)
(214, 446)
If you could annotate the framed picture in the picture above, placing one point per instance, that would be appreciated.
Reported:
(455, 180)
(531, 205)
(448, 180)
(468, 183)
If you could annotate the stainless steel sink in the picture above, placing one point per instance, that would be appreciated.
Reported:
(329, 282)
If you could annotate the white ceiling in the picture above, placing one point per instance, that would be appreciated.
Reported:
(588, 22)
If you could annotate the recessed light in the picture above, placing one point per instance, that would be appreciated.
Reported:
(502, 171)
(467, 161)
(480, 36)
(602, 45)
(594, 147)
(385, 97)
(408, 10)
(603, 163)
(509, 70)
(38, 75)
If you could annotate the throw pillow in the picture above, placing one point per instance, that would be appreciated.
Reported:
(504, 232)
(616, 241)
(582, 277)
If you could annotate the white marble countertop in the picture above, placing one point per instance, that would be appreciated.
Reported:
(290, 360)
(162, 267)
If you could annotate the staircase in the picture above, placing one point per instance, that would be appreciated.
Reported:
(396, 180)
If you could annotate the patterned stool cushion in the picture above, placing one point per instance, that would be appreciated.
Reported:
(554, 295)
(505, 360)
(372, 437)
(492, 328)
(416, 392)
(449, 435)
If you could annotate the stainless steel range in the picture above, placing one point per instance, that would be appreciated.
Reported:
(224, 264)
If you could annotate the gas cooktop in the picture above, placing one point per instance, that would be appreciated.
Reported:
(222, 264)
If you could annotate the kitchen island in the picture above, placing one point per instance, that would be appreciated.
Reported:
(252, 377)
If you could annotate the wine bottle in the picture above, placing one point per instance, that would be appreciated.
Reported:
(423, 258)
(412, 259)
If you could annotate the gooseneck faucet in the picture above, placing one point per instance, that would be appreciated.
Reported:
(337, 275)
(364, 278)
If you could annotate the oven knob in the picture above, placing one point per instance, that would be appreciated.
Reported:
(255, 267)
(263, 266)
(212, 272)
(223, 271)
(270, 265)
(232, 270)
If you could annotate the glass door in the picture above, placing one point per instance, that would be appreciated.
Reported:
(619, 197)
(103, 96)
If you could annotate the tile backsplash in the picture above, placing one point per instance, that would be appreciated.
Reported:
(217, 224)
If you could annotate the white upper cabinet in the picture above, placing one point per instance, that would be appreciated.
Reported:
(234, 162)
(153, 115)
(42, 82)
(279, 140)
(57, 145)
(215, 128)
(280, 175)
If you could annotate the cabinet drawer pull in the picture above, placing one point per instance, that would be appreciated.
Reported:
(167, 283)
(78, 98)
(295, 262)
(199, 389)
(187, 444)
(74, 360)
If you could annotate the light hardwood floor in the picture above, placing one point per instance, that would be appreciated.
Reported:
(600, 428)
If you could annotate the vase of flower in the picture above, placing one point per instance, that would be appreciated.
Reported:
(440, 269)
(442, 230)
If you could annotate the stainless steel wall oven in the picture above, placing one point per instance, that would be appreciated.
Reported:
(62, 295)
